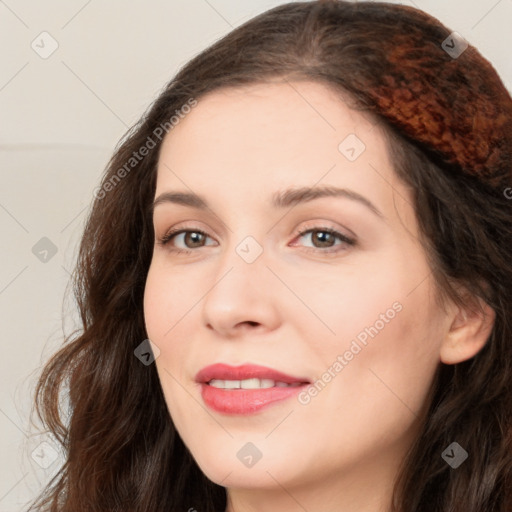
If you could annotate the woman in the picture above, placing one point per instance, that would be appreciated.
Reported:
(311, 224)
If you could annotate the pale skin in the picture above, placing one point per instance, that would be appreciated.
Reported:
(299, 305)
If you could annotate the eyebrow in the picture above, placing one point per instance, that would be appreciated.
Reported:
(280, 199)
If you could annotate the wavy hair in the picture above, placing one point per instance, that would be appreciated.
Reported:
(447, 120)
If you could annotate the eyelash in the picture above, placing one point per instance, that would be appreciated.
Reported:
(167, 237)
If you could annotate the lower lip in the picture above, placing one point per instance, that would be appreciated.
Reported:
(245, 401)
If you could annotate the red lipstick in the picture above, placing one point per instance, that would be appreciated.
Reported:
(245, 389)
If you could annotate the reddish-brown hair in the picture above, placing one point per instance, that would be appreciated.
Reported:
(448, 123)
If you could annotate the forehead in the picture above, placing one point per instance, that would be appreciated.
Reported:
(295, 110)
(262, 130)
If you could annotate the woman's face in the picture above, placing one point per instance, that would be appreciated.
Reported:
(351, 312)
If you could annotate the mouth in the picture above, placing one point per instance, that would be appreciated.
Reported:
(246, 389)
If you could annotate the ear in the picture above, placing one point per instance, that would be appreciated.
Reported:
(469, 331)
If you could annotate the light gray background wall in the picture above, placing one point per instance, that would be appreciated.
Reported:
(61, 117)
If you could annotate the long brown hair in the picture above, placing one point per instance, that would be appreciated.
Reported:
(448, 123)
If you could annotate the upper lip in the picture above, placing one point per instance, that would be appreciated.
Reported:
(221, 371)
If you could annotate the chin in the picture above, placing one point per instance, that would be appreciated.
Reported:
(230, 470)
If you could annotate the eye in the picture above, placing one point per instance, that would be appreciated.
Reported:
(326, 237)
(192, 236)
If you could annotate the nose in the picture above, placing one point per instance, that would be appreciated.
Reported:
(242, 297)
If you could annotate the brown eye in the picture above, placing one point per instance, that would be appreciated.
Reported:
(325, 238)
(192, 239)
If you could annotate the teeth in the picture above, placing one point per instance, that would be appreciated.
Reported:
(256, 383)
(250, 384)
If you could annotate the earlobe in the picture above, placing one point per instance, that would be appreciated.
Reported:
(468, 333)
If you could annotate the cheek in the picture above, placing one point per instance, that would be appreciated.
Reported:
(160, 315)
(168, 311)
(166, 300)
(392, 363)
(379, 393)
(387, 330)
